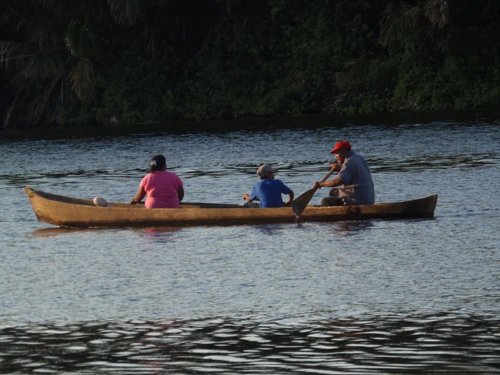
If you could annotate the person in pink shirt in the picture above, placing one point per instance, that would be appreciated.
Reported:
(162, 189)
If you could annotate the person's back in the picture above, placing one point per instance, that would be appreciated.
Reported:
(268, 193)
(355, 172)
(161, 189)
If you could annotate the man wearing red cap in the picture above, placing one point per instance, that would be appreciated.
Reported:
(353, 183)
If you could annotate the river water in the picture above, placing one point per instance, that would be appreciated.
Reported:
(357, 297)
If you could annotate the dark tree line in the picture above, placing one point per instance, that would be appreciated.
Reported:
(143, 61)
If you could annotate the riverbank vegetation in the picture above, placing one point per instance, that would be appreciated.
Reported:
(139, 62)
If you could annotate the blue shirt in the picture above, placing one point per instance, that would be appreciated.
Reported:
(355, 172)
(268, 192)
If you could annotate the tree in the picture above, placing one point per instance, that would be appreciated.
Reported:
(53, 49)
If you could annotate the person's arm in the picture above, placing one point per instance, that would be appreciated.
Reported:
(335, 166)
(141, 193)
(180, 193)
(336, 181)
(252, 196)
(331, 183)
(286, 190)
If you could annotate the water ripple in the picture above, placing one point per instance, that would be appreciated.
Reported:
(446, 343)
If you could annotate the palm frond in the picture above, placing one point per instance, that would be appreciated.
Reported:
(80, 40)
(12, 52)
(10, 111)
(81, 9)
(82, 77)
(437, 12)
(397, 23)
(126, 11)
(39, 105)
(43, 64)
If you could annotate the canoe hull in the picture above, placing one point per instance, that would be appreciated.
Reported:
(82, 213)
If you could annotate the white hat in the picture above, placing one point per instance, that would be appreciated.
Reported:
(265, 169)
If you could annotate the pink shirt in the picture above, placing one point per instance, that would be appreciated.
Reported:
(161, 189)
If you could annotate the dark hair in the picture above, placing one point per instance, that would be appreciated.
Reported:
(157, 163)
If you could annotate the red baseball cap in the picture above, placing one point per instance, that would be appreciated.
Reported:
(340, 145)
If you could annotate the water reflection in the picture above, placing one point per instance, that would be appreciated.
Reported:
(395, 344)
(351, 228)
(59, 231)
(343, 228)
(149, 232)
(432, 162)
(270, 229)
(158, 233)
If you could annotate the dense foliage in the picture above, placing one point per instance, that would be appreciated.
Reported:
(137, 61)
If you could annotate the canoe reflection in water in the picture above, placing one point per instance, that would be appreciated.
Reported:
(158, 233)
(351, 228)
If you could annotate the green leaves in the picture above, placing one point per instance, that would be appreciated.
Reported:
(127, 12)
(437, 12)
(80, 40)
(82, 77)
(145, 61)
(53, 52)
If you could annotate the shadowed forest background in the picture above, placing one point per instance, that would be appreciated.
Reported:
(138, 62)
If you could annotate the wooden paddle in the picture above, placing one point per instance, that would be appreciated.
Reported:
(299, 204)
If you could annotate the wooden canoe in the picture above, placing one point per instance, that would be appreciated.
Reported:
(82, 213)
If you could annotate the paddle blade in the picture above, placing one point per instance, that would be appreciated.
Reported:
(300, 203)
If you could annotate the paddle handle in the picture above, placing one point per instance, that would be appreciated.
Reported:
(327, 175)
